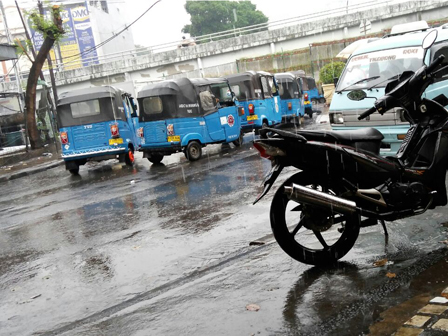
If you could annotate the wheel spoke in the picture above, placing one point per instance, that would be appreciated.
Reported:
(298, 208)
(321, 239)
(297, 228)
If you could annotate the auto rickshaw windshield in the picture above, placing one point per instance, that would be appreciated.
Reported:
(88, 112)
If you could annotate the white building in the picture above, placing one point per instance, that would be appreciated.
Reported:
(89, 26)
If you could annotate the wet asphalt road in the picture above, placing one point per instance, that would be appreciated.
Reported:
(164, 250)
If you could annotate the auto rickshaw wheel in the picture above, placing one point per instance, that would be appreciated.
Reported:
(322, 100)
(239, 142)
(74, 171)
(193, 151)
(314, 101)
(155, 158)
(309, 112)
(129, 157)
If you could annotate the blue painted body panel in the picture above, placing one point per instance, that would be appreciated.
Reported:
(92, 140)
(269, 110)
(297, 108)
(216, 127)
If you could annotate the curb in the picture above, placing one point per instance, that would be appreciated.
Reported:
(31, 171)
(431, 317)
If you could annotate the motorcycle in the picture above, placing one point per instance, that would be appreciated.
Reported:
(344, 185)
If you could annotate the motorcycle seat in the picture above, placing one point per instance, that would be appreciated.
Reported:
(368, 138)
(351, 136)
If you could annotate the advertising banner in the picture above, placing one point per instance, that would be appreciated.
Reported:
(77, 45)
(68, 45)
(84, 34)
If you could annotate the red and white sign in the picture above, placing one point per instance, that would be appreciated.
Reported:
(230, 120)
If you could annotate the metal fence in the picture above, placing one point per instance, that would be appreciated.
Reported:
(68, 62)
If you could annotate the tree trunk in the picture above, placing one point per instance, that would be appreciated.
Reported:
(36, 68)
(30, 95)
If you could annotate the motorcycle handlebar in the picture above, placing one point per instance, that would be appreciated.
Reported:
(367, 113)
(435, 63)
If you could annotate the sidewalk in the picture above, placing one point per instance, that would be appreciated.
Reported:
(17, 164)
(426, 313)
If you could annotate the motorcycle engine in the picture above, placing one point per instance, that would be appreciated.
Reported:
(407, 195)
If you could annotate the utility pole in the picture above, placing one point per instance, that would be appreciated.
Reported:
(16, 72)
(41, 76)
(50, 63)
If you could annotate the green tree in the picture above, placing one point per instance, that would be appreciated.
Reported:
(330, 71)
(208, 17)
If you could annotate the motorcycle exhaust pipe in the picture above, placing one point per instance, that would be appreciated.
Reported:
(306, 195)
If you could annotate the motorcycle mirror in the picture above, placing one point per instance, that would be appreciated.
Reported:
(429, 39)
(356, 95)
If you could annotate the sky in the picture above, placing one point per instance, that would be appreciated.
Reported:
(164, 22)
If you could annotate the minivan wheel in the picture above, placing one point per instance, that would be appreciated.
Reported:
(193, 151)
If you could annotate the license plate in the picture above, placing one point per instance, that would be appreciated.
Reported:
(307, 102)
(174, 138)
(115, 141)
(252, 117)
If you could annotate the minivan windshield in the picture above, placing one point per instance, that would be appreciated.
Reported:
(383, 63)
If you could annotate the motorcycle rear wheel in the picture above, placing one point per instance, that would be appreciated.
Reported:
(305, 232)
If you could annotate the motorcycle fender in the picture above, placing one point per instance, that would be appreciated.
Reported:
(269, 180)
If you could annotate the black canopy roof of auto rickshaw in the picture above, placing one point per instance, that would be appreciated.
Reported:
(185, 87)
(111, 108)
(76, 96)
(185, 90)
(284, 76)
(253, 77)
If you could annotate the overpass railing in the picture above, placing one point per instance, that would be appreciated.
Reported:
(69, 62)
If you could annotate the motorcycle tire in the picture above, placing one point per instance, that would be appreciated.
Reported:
(311, 237)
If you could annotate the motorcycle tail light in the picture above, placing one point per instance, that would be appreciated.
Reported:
(64, 138)
(267, 151)
(290, 106)
(114, 131)
(140, 132)
(251, 109)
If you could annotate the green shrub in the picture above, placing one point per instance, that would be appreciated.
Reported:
(330, 71)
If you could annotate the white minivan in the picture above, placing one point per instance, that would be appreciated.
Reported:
(369, 68)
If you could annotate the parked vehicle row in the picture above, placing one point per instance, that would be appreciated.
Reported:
(180, 115)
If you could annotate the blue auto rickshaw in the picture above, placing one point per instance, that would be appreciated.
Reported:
(311, 93)
(186, 115)
(314, 93)
(290, 89)
(95, 124)
(258, 93)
